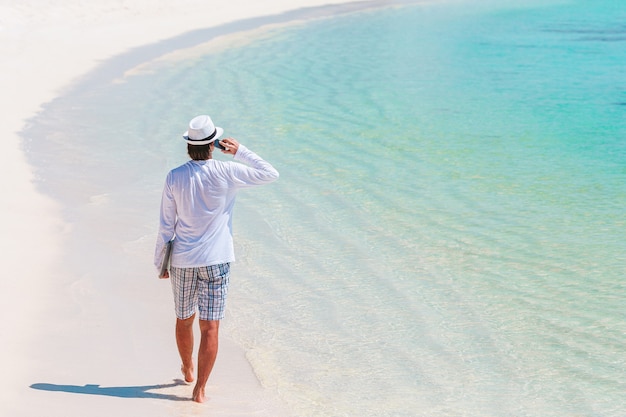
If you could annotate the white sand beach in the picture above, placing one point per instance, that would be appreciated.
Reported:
(44, 47)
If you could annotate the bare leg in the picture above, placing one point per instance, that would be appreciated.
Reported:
(184, 341)
(209, 337)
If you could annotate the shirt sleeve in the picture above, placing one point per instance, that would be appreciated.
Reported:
(167, 222)
(256, 171)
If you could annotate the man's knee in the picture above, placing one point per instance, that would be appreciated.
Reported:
(188, 322)
(209, 327)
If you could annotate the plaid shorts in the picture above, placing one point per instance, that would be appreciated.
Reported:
(204, 288)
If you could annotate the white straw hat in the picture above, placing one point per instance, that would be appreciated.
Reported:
(202, 131)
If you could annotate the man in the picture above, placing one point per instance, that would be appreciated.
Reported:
(197, 208)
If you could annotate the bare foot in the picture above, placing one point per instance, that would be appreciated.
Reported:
(198, 394)
(187, 373)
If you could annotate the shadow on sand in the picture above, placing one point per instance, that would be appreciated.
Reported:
(122, 392)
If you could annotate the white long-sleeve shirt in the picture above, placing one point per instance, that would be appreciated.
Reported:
(197, 207)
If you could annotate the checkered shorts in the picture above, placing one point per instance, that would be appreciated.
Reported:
(204, 288)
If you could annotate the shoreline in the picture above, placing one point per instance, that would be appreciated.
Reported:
(98, 42)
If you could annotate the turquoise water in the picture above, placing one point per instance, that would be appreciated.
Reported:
(447, 236)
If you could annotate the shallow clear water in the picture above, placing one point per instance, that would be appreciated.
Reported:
(447, 236)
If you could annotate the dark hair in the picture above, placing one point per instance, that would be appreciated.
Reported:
(199, 152)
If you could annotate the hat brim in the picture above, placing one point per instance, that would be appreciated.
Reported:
(219, 132)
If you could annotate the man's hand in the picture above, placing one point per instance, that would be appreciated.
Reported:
(165, 275)
(230, 144)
